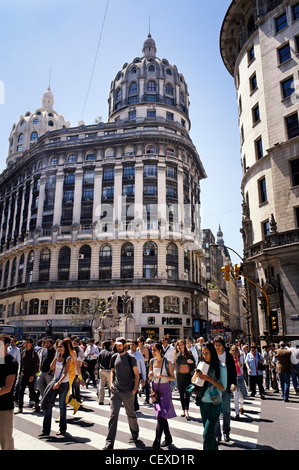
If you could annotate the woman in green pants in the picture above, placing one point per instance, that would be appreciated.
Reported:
(210, 403)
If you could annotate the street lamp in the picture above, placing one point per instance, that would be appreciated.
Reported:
(245, 277)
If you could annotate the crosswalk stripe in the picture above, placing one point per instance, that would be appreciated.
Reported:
(186, 434)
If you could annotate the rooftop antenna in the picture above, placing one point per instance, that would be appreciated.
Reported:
(149, 25)
(50, 78)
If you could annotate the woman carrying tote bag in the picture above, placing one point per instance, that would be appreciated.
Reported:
(161, 373)
(60, 365)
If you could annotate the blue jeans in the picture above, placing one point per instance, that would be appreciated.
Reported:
(285, 384)
(62, 392)
(225, 410)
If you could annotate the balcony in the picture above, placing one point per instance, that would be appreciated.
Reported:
(274, 241)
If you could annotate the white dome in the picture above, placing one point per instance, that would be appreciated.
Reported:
(33, 125)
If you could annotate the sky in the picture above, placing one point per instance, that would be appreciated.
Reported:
(80, 47)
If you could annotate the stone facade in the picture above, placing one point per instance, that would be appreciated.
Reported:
(260, 48)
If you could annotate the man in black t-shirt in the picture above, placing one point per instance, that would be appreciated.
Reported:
(124, 380)
(8, 374)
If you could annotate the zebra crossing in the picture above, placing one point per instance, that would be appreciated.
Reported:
(88, 428)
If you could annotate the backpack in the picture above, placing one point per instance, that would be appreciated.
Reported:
(294, 356)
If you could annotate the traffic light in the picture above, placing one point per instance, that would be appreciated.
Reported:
(274, 323)
(226, 272)
(237, 272)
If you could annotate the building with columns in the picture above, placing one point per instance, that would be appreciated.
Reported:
(106, 207)
(259, 45)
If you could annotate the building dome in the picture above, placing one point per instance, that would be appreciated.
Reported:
(149, 87)
(31, 126)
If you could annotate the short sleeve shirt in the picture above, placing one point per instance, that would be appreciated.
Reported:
(8, 366)
(124, 375)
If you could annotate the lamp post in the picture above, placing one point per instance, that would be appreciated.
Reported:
(245, 277)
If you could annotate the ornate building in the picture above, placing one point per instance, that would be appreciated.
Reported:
(260, 45)
(106, 207)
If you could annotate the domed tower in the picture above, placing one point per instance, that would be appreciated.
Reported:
(32, 125)
(149, 87)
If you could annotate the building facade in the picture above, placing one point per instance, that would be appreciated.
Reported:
(106, 207)
(260, 48)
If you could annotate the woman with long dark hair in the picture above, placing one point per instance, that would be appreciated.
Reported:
(184, 365)
(60, 365)
(210, 403)
(161, 373)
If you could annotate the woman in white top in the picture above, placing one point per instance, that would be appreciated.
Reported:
(161, 373)
(60, 365)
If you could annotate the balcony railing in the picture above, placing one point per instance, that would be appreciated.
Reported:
(274, 240)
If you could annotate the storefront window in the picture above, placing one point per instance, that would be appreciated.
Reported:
(171, 305)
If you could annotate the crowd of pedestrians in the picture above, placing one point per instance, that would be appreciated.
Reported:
(212, 373)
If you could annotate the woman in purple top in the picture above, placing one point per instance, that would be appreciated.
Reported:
(161, 373)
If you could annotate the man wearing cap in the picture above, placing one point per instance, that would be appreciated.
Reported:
(124, 380)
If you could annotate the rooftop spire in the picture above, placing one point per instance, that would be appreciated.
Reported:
(149, 47)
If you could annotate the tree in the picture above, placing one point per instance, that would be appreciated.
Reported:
(88, 311)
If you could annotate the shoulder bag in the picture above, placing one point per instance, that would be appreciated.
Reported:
(49, 395)
(155, 395)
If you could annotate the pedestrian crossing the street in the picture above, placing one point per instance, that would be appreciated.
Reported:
(88, 428)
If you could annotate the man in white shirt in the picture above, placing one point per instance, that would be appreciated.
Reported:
(13, 350)
(141, 367)
(91, 356)
(192, 349)
(169, 350)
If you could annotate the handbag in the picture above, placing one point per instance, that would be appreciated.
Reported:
(155, 395)
(49, 395)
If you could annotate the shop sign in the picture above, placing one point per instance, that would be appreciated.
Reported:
(172, 321)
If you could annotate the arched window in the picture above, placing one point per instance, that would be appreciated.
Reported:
(172, 250)
(21, 270)
(171, 305)
(150, 260)
(29, 268)
(109, 153)
(129, 151)
(127, 261)
(13, 272)
(5, 280)
(151, 68)
(150, 149)
(151, 86)
(72, 158)
(150, 304)
(172, 261)
(90, 157)
(105, 270)
(51, 123)
(132, 93)
(118, 94)
(64, 260)
(168, 71)
(72, 305)
(169, 89)
(54, 160)
(35, 121)
(118, 97)
(33, 306)
(21, 138)
(34, 136)
(44, 264)
(84, 263)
